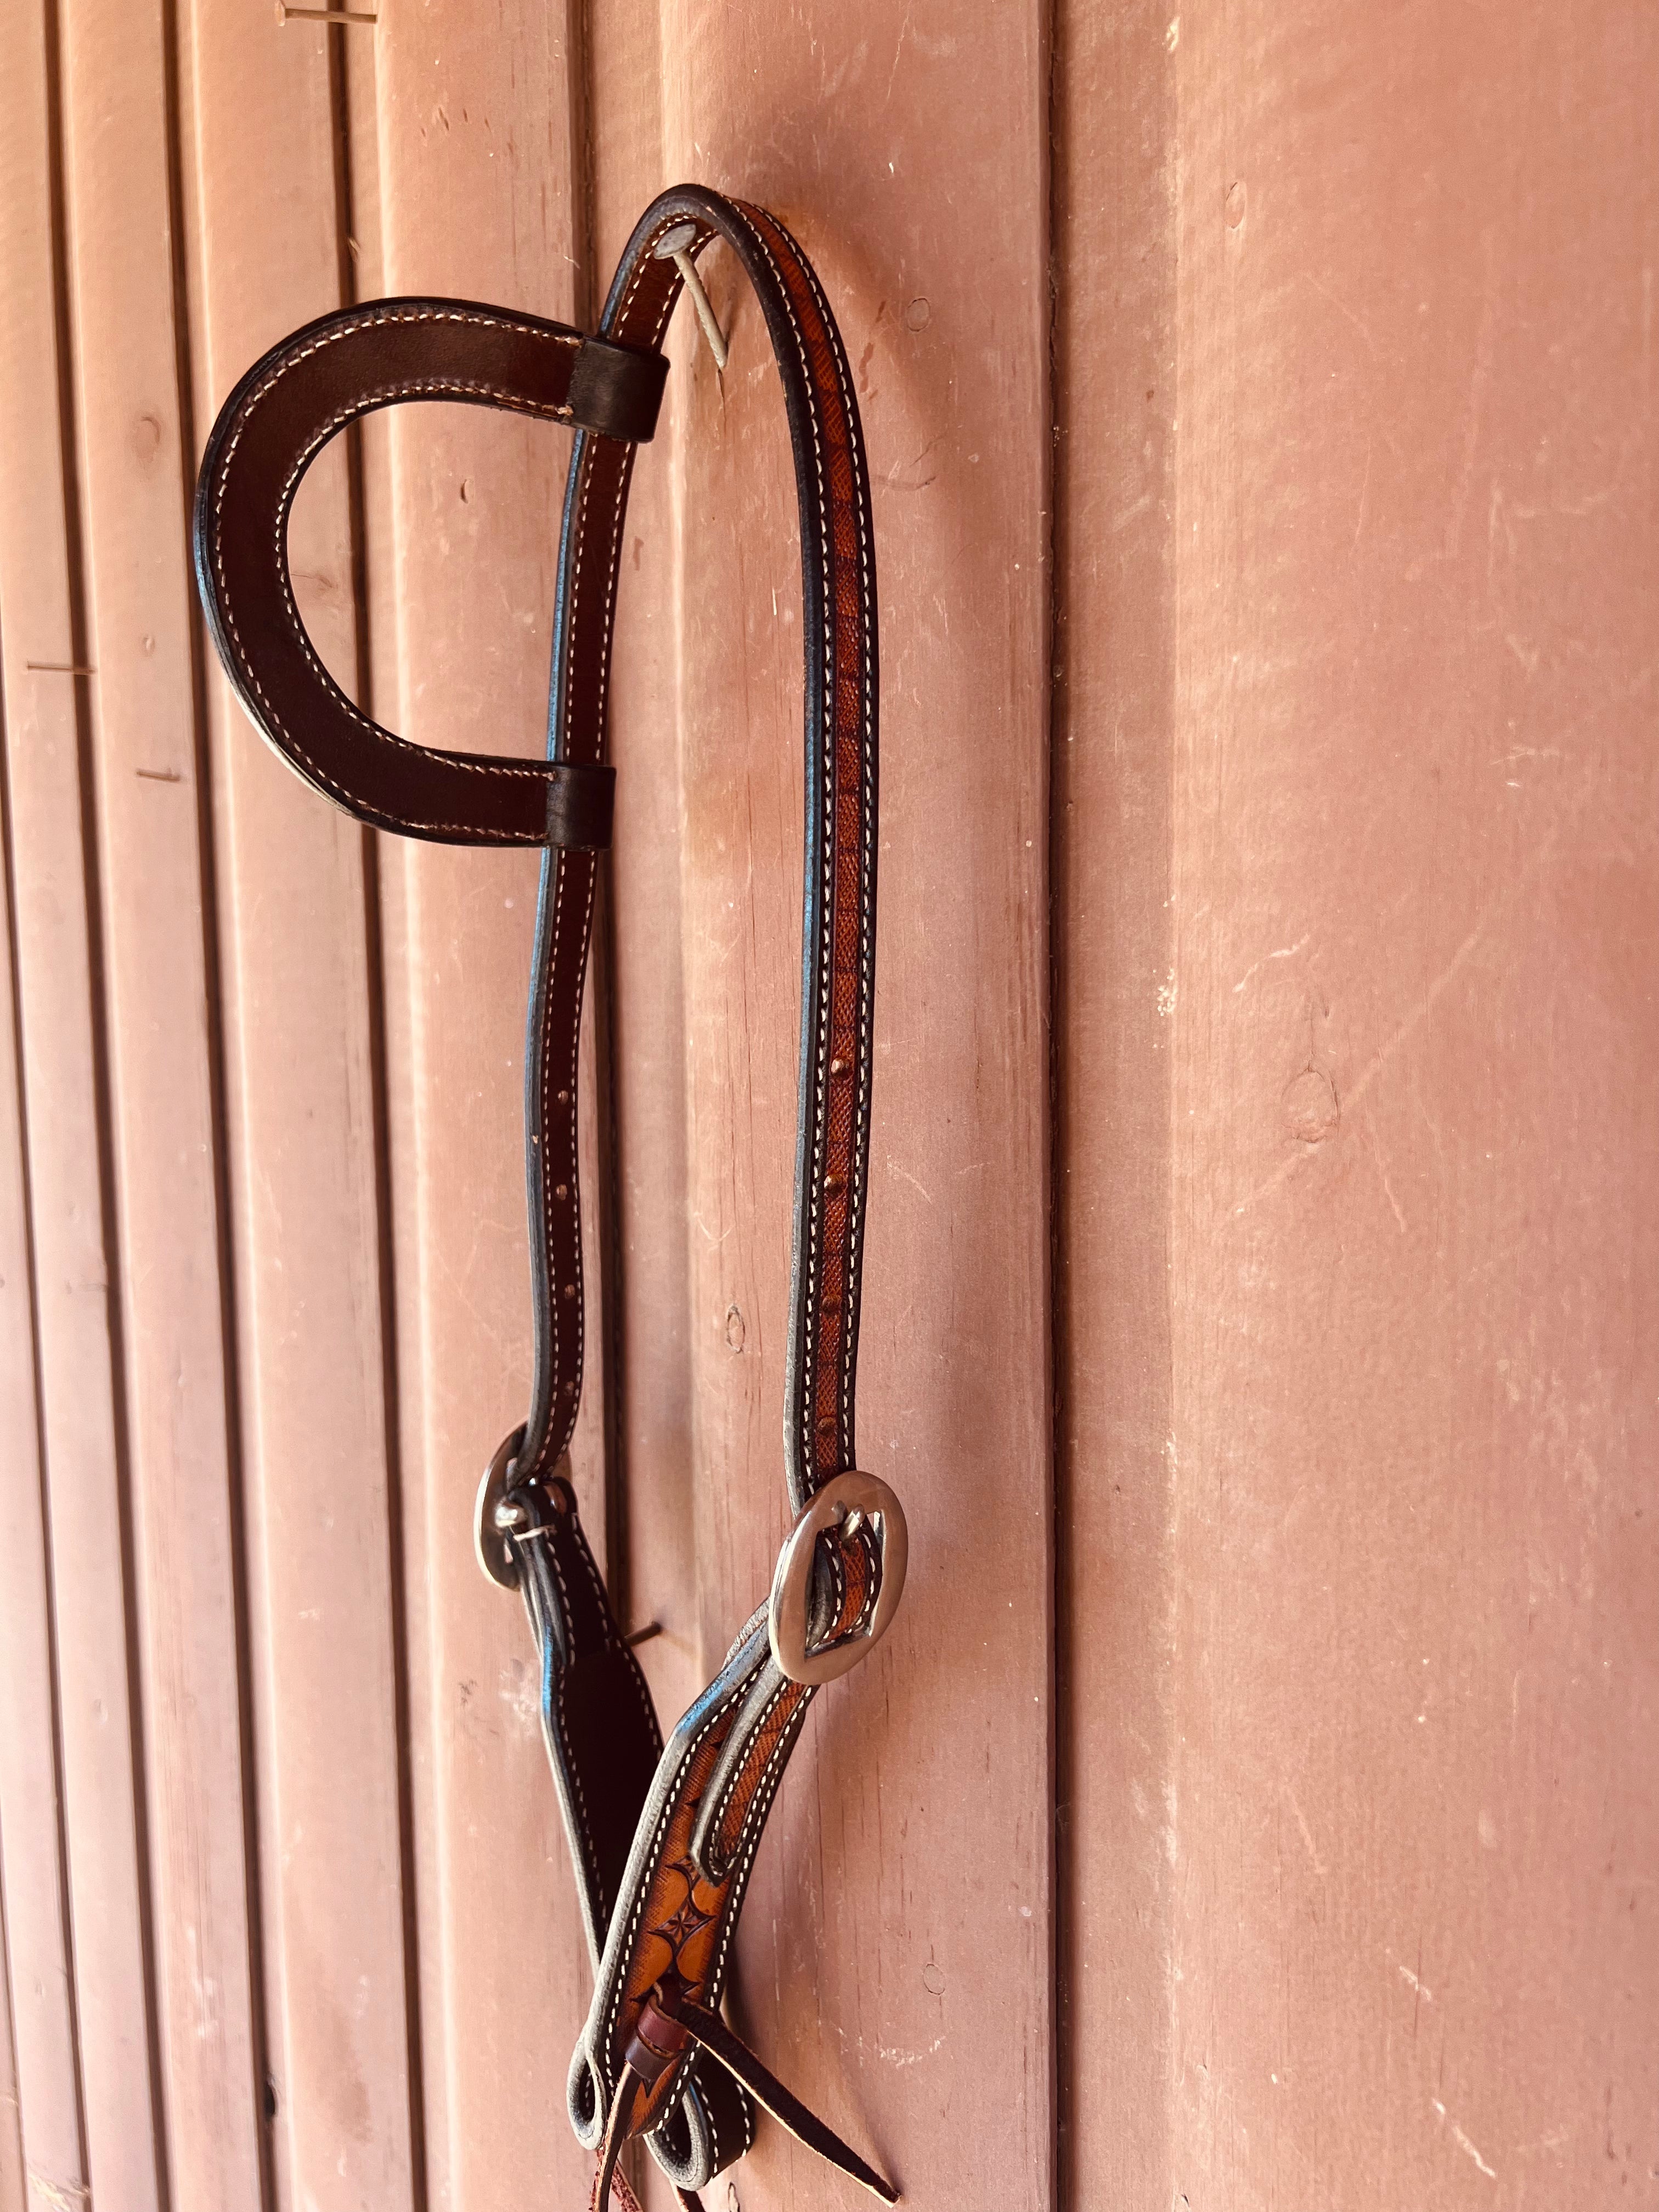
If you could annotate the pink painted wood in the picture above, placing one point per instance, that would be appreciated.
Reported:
(1359, 677)
(475, 169)
(298, 993)
(159, 960)
(880, 2029)
(89, 2121)
(37, 2006)
(1335, 326)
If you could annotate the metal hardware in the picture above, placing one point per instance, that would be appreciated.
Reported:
(845, 1501)
(643, 1635)
(672, 247)
(490, 1544)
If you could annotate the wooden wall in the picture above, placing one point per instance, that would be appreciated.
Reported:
(1254, 1803)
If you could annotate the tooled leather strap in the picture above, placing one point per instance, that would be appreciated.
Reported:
(686, 1874)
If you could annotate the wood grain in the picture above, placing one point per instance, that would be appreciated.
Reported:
(111, 2144)
(1115, 149)
(14, 2183)
(304, 1117)
(38, 2089)
(159, 956)
(1335, 1890)
(1414, 1214)
(475, 167)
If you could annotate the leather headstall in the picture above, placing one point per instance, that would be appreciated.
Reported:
(662, 1836)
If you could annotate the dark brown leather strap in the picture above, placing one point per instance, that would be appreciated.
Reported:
(280, 417)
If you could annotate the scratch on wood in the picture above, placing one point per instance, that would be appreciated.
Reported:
(1284, 952)
(1464, 2144)
(1319, 1867)
(1412, 1981)
(904, 1174)
(66, 2196)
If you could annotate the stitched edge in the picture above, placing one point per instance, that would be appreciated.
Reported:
(432, 387)
(648, 1867)
(867, 879)
(752, 1828)
(826, 948)
(562, 1426)
(571, 1769)
(866, 868)
(760, 1807)
(578, 1314)
(867, 873)
(824, 741)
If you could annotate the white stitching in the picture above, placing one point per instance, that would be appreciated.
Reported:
(756, 1727)
(826, 947)
(558, 1432)
(641, 1887)
(570, 1764)
(823, 736)
(713, 2133)
(753, 1826)
(574, 1186)
(760, 1807)
(346, 328)
(866, 902)
(429, 387)
(867, 879)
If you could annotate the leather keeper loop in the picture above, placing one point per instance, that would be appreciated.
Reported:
(618, 390)
(658, 2043)
(581, 801)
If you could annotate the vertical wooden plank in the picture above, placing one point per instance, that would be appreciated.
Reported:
(879, 1941)
(40, 2091)
(474, 169)
(14, 2185)
(1416, 1176)
(1115, 306)
(157, 947)
(304, 1122)
(111, 2145)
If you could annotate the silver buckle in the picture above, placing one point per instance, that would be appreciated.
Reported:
(845, 1502)
(489, 1545)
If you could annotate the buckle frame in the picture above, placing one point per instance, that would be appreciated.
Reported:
(489, 1545)
(852, 1497)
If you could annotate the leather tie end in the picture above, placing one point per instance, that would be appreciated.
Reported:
(615, 2135)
